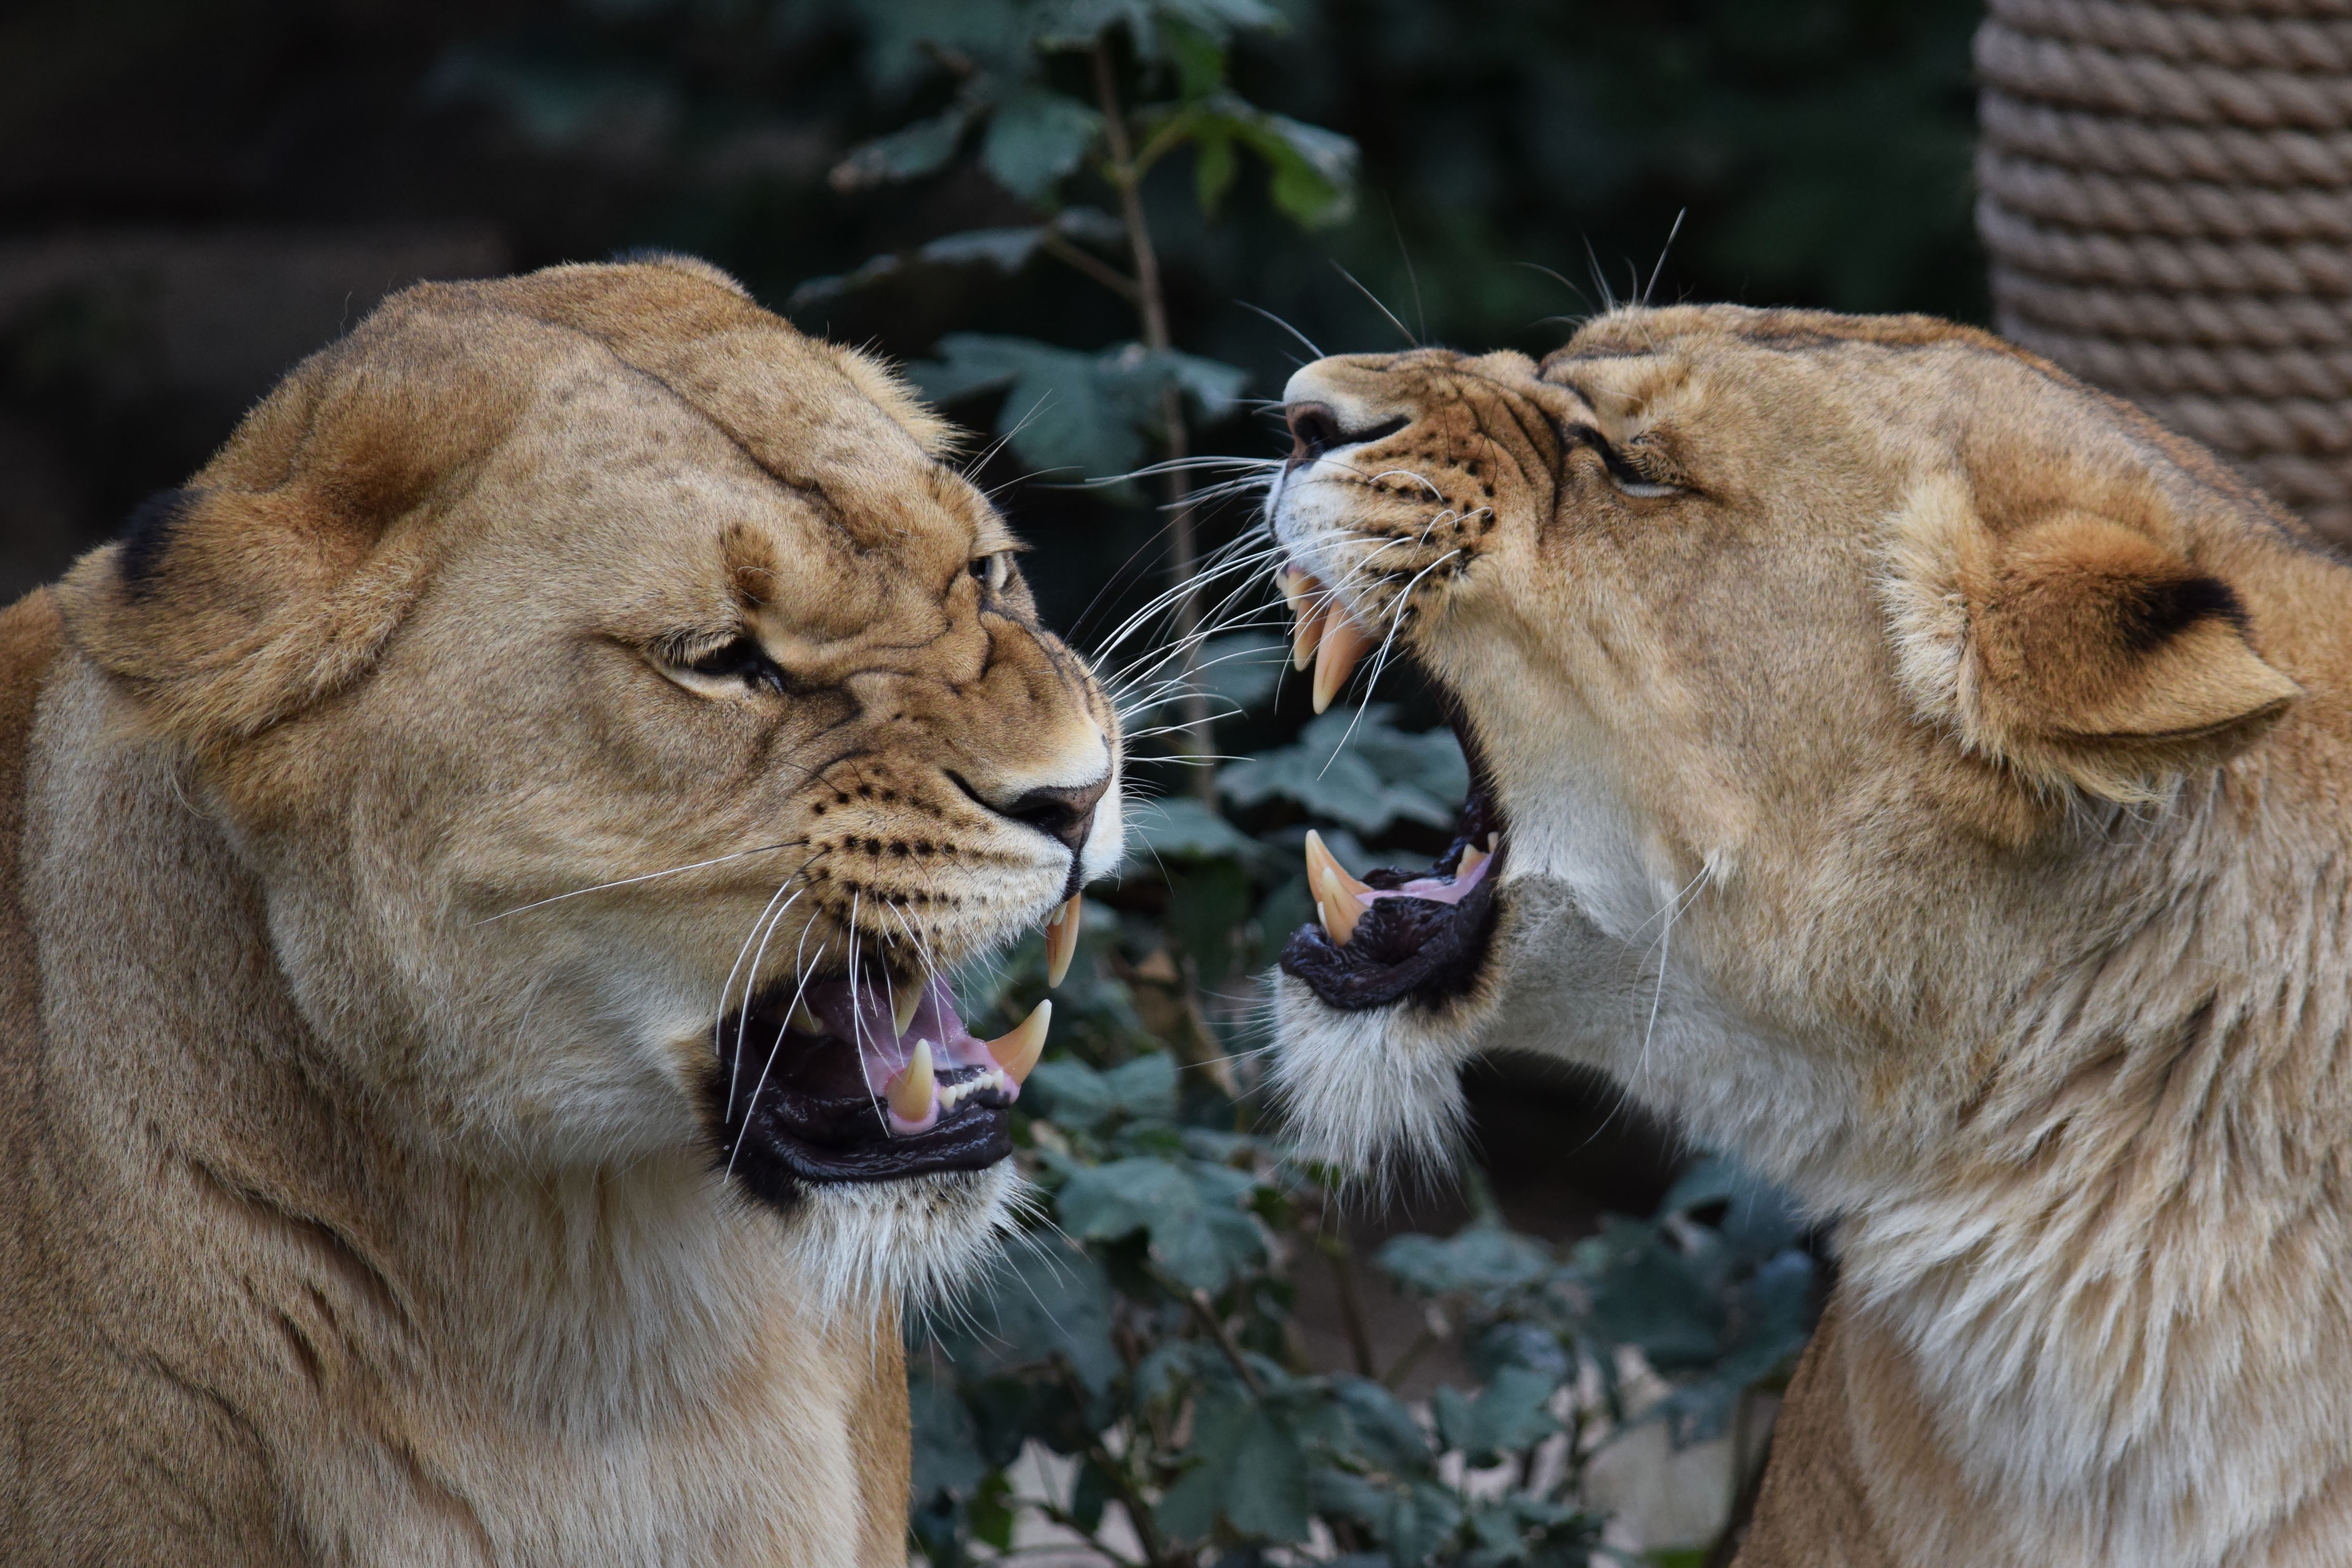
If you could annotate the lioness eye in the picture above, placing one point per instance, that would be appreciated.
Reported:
(742, 658)
(992, 571)
(1643, 489)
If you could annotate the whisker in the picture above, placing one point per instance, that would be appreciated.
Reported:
(1286, 326)
(1375, 299)
(647, 877)
(1661, 266)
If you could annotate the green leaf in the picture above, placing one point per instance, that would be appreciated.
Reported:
(1055, 415)
(1043, 1298)
(1645, 1294)
(1076, 1095)
(903, 154)
(947, 1453)
(1384, 1429)
(1252, 1470)
(1266, 1494)
(1480, 1257)
(1181, 827)
(1037, 137)
(1421, 1518)
(1511, 1414)
(1214, 167)
(1195, 1232)
(1069, 410)
(1243, 669)
(1359, 770)
(1312, 170)
(1208, 902)
(1199, 53)
(1346, 1493)
(1006, 249)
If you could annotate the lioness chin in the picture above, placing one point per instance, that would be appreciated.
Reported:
(476, 871)
(1926, 778)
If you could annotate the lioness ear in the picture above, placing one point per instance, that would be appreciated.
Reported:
(274, 579)
(2077, 649)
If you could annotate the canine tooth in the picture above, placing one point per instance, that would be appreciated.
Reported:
(1472, 859)
(1339, 907)
(1308, 636)
(1018, 1051)
(803, 1020)
(1305, 596)
(1062, 939)
(1319, 860)
(1343, 643)
(912, 1090)
(906, 995)
(1294, 584)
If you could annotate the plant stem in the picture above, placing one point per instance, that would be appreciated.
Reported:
(1342, 1258)
(1130, 1496)
(1206, 1311)
(1064, 1517)
(1109, 277)
(1151, 305)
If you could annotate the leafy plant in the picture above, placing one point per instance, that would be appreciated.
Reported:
(1141, 1331)
(1065, 96)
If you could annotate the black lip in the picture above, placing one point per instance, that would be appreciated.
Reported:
(1411, 949)
(799, 1114)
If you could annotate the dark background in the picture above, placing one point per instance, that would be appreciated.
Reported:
(196, 192)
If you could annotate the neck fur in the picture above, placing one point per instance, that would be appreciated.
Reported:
(2119, 1282)
(589, 1295)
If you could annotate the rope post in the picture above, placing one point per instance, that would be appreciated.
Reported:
(2165, 191)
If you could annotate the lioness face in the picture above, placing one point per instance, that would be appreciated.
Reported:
(1802, 662)
(701, 723)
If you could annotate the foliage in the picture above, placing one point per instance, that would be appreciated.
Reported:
(1141, 1331)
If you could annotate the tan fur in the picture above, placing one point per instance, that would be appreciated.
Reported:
(358, 1201)
(1938, 798)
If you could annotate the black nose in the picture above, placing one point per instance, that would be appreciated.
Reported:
(1067, 814)
(1314, 430)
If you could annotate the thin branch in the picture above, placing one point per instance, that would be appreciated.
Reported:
(1342, 1258)
(1101, 271)
(1151, 305)
(1206, 1311)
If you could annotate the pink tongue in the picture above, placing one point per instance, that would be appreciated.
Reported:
(864, 1015)
(1437, 889)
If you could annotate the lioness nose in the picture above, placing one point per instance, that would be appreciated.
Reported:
(1314, 430)
(1066, 814)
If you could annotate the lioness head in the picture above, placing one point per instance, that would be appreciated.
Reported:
(627, 719)
(1842, 696)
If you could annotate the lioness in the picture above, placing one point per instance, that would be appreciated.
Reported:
(474, 870)
(1928, 779)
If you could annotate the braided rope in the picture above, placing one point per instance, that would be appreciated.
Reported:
(2111, 144)
(2142, 369)
(2176, 209)
(2166, 190)
(2185, 37)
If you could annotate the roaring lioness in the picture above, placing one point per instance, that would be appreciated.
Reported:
(1932, 781)
(475, 869)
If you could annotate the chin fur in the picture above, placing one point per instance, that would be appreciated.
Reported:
(1375, 1093)
(860, 1247)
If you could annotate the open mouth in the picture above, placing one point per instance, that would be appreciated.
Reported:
(866, 1079)
(1390, 935)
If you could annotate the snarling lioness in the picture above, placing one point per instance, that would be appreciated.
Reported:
(475, 871)
(1928, 779)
